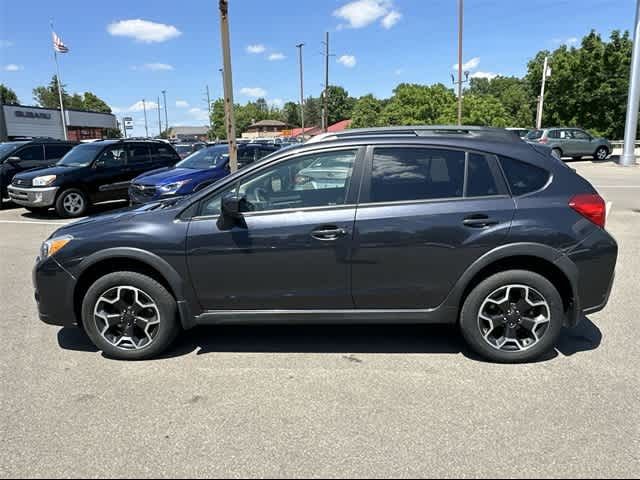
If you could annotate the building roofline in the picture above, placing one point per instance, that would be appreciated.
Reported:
(56, 109)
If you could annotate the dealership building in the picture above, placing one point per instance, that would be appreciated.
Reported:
(22, 121)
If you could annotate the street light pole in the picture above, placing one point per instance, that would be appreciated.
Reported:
(159, 120)
(460, 27)
(633, 103)
(166, 117)
(545, 71)
(146, 127)
(299, 47)
(325, 109)
(228, 84)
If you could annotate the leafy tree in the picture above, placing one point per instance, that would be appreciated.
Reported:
(413, 104)
(312, 112)
(339, 104)
(94, 103)
(217, 119)
(366, 112)
(483, 110)
(48, 97)
(8, 96)
(513, 93)
(290, 114)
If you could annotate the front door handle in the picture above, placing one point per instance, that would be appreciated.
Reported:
(479, 221)
(328, 233)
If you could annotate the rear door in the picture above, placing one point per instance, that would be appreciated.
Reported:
(31, 156)
(109, 176)
(582, 143)
(138, 160)
(425, 215)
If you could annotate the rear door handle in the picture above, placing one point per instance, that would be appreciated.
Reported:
(479, 221)
(328, 233)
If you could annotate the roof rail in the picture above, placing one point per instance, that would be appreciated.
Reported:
(421, 131)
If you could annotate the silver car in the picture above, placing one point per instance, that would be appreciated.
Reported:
(571, 142)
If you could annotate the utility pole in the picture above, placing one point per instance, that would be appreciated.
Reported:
(325, 105)
(299, 47)
(545, 74)
(633, 103)
(166, 117)
(460, 27)
(3, 124)
(228, 84)
(124, 128)
(159, 120)
(146, 127)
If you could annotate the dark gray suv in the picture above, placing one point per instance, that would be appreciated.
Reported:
(458, 225)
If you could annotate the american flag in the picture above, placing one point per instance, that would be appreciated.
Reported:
(58, 45)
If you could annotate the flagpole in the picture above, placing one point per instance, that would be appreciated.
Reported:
(64, 122)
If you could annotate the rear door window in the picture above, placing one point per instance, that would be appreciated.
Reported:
(523, 177)
(32, 152)
(56, 152)
(139, 154)
(163, 154)
(481, 178)
(406, 173)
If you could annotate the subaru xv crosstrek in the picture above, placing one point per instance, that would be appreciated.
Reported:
(457, 225)
(195, 172)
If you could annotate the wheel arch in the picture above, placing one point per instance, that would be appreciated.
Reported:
(135, 260)
(544, 260)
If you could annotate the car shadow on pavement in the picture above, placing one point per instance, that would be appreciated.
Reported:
(345, 339)
(93, 210)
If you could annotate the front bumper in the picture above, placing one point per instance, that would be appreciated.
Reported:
(33, 197)
(54, 287)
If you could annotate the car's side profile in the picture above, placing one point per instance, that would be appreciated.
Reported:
(468, 226)
(90, 173)
(571, 142)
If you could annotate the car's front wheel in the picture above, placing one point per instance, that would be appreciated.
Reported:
(71, 203)
(512, 317)
(130, 316)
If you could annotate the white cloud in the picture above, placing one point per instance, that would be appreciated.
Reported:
(258, 48)
(398, 71)
(487, 75)
(391, 19)
(199, 114)
(470, 65)
(572, 41)
(154, 67)
(6, 43)
(361, 13)
(182, 104)
(143, 30)
(348, 61)
(115, 109)
(255, 92)
(138, 106)
(12, 67)
(276, 102)
(277, 56)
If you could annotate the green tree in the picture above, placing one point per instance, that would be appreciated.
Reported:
(312, 112)
(339, 104)
(514, 95)
(290, 114)
(8, 96)
(217, 119)
(413, 104)
(48, 97)
(366, 112)
(482, 110)
(94, 103)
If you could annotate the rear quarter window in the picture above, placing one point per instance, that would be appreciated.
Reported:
(523, 177)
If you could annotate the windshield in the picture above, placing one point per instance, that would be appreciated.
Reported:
(209, 157)
(81, 156)
(534, 135)
(7, 148)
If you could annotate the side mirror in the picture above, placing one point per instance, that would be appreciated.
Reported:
(13, 160)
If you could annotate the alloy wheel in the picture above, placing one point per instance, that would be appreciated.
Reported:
(73, 203)
(514, 318)
(127, 317)
(601, 154)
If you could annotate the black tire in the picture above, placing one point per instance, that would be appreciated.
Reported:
(38, 210)
(71, 193)
(167, 329)
(470, 323)
(557, 152)
(601, 153)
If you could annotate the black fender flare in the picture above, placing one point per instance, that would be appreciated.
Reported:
(185, 296)
(537, 250)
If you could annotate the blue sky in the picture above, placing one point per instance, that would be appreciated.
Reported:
(128, 50)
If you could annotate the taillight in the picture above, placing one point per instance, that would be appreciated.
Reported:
(590, 206)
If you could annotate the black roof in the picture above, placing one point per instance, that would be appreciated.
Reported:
(40, 140)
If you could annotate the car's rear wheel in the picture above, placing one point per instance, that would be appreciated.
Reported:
(512, 317)
(71, 203)
(601, 153)
(130, 316)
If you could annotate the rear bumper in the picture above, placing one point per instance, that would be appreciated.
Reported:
(33, 197)
(54, 287)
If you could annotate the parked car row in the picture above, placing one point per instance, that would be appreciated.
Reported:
(44, 174)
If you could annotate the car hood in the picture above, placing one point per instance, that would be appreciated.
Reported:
(166, 175)
(39, 172)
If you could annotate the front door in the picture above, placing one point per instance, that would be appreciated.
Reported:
(292, 248)
(582, 144)
(420, 224)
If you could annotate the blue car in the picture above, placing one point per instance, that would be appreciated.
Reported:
(197, 171)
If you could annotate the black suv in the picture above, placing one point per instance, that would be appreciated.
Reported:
(90, 173)
(414, 225)
(20, 155)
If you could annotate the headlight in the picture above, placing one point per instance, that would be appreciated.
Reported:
(172, 188)
(44, 181)
(53, 245)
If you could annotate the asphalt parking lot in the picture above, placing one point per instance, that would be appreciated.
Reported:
(322, 401)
